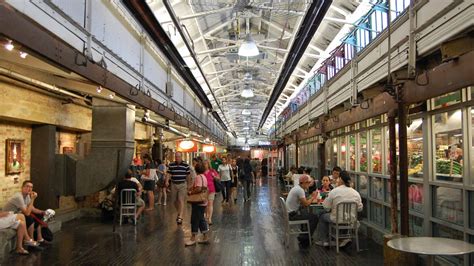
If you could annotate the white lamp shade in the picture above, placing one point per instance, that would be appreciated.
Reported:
(248, 47)
(246, 112)
(247, 93)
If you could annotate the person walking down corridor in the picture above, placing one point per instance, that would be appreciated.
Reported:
(247, 178)
(179, 172)
(198, 222)
(225, 171)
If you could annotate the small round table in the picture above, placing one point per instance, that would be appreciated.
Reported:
(431, 246)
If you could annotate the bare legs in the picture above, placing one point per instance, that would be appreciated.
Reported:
(162, 194)
(151, 200)
(209, 210)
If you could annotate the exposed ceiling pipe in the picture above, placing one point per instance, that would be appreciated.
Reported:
(180, 30)
(311, 22)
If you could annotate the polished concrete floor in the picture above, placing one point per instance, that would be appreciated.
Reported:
(247, 233)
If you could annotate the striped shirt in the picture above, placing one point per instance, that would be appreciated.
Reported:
(178, 172)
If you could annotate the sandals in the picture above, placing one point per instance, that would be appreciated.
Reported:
(179, 220)
(31, 243)
(22, 252)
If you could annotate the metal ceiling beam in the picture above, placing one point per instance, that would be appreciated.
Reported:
(310, 24)
(214, 30)
(170, 10)
(277, 27)
(216, 50)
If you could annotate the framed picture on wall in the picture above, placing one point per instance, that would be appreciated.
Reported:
(14, 156)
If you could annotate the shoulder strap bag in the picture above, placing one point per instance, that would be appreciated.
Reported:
(199, 197)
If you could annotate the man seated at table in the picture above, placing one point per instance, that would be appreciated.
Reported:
(343, 192)
(296, 200)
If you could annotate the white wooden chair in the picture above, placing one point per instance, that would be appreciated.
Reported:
(293, 227)
(128, 204)
(346, 219)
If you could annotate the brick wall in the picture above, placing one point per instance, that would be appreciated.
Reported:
(10, 184)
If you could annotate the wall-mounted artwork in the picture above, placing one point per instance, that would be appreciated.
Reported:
(14, 154)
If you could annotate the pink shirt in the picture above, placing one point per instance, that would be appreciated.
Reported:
(201, 181)
(210, 174)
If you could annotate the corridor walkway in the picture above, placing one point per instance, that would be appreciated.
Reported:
(244, 234)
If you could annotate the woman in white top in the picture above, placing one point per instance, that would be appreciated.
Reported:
(225, 171)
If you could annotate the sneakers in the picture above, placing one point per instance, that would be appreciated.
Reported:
(323, 244)
(344, 242)
(204, 241)
(190, 243)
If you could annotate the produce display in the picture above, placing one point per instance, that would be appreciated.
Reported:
(416, 164)
(448, 167)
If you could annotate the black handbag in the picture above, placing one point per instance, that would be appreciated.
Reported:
(218, 185)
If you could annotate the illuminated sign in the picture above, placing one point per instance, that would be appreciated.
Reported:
(187, 146)
(208, 148)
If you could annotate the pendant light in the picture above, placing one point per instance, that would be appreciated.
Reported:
(248, 48)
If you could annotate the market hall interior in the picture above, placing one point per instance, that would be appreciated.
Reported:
(379, 91)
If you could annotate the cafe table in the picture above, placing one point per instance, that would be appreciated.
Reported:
(431, 246)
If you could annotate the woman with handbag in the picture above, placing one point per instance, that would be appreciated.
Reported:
(210, 175)
(197, 196)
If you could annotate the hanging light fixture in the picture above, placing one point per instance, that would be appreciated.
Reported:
(246, 112)
(248, 47)
(9, 46)
(247, 92)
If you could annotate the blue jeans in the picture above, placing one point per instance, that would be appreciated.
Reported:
(198, 222)
(322, 232)
(226, 190)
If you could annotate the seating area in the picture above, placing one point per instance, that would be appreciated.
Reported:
(293, 227)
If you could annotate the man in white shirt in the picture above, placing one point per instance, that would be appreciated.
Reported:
(296, 200)
(343, 192)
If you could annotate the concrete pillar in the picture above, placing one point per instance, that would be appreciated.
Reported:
(43, 148)
(113, 129)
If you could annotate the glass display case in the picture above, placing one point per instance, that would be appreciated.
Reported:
(376, 151)
(388, 191)
(343, 145)
(448, 204)
(352, 153)
(363, 162)
(448, 152)
(415, 148)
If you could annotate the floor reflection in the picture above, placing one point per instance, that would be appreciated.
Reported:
(247, 233)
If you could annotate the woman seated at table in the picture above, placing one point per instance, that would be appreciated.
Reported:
(326, 184)
(343, 192)
(289, 175)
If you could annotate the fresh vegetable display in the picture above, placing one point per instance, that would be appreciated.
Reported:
(443, 166)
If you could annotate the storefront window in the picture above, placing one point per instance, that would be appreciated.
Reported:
(416, 226)
(415, 197)
(335, 148)
(388, 219)
(343, 152)
(448, 204)
(362, 185)
(446, 232)
(376, 162)
(415, 148)
(388, 194)
(376, 120)
(328, 148)
(376, 213)
(352, 153)
(387, 149)
(447, 128)
(446, 100)
(376, 188)
(363, 151)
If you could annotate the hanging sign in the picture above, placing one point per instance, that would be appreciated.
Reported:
(186, 146)
(208, 148)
